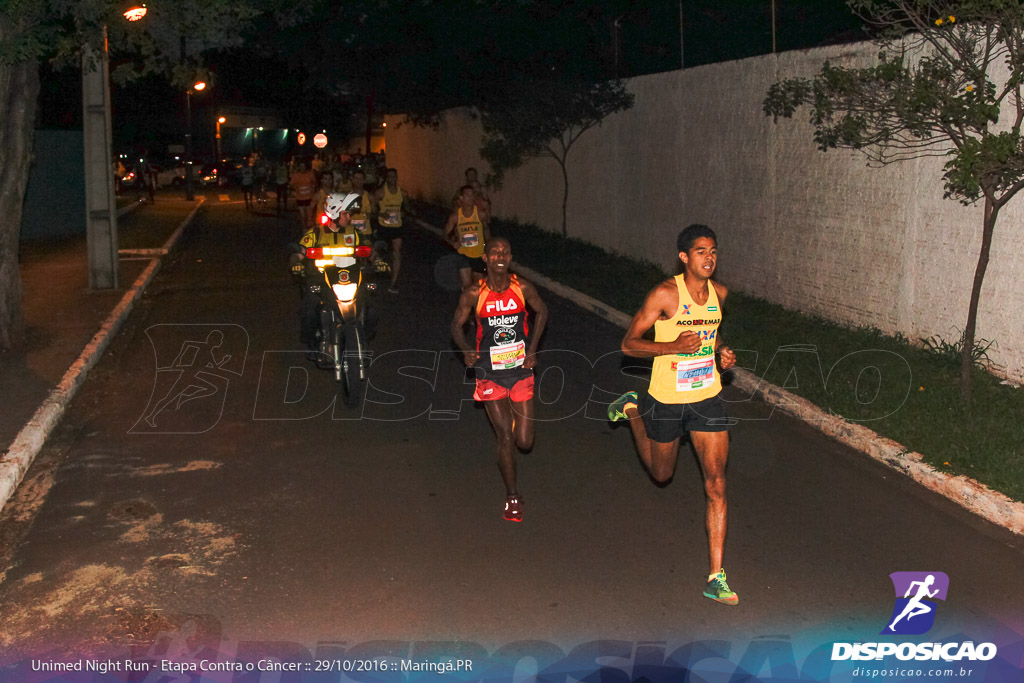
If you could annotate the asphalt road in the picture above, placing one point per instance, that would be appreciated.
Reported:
(257, 510)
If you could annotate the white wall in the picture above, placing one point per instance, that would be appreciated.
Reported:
(818, 232)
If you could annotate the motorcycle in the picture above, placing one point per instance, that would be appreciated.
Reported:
(337, 275)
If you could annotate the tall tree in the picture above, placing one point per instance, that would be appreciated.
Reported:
(546, 123)
(945, 71)
(170, 40)
(19, 85)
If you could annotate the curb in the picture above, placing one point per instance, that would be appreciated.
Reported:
(125, 210)
(15, 461)
(966, 492)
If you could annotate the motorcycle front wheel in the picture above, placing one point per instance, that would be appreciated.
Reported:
(353, 374)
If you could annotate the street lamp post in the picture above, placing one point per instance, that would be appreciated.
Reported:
(220, 120)
(189, 189)
(189, 193)
(98, 142)
(100, 208)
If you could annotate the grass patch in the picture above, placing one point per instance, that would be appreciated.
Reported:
(620, 283)
(904, 392)
(617, 281)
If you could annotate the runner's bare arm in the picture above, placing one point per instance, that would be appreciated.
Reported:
(462, 313)
(726, 357)
(540, 311)
(449, 228)
(661, 302)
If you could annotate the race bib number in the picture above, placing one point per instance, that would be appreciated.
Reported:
(391, 217)
(470, 239)
(694, 374)
(508, 356)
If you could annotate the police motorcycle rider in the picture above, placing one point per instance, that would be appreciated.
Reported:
(332, 229)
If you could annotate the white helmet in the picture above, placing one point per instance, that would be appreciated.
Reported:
(337, 202)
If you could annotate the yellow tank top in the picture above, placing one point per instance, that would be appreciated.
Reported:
(390, 210)
(688, 378)
(471, 234)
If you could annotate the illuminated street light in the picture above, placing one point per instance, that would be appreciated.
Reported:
(135, 12)
(199, 85)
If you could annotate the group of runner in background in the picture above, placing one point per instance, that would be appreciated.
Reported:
(378, 213)
(305, 178)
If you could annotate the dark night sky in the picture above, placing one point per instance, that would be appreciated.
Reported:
(290, 70)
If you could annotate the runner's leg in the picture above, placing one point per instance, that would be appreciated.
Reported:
(659, 459)
(713, 453)
(523, 423)
(500, 414)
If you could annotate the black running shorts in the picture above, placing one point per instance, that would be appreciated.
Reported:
(666, 422)
(471, 263)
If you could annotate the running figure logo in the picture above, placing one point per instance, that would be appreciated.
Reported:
(194, 367)
(914, 612)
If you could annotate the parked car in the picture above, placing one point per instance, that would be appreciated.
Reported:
(229, 170)
(130, 177)
(165, 175)
(171, 175)
(210, 175)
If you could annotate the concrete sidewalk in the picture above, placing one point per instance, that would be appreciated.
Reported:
(63, 317)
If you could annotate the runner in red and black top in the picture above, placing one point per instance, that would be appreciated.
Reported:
(503, 358)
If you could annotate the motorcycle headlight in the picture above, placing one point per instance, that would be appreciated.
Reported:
(345, 292)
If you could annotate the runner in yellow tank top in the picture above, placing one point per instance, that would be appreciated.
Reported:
(685, 312)
(361, 219)
(467, 231)
(390, 207)
(688, 378)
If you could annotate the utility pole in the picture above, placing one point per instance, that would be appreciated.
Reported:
(189, 192)
(682, 60)
(773, 26)
(100, 209)
(615, 36)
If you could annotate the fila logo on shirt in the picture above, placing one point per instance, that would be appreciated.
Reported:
(498, 306)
